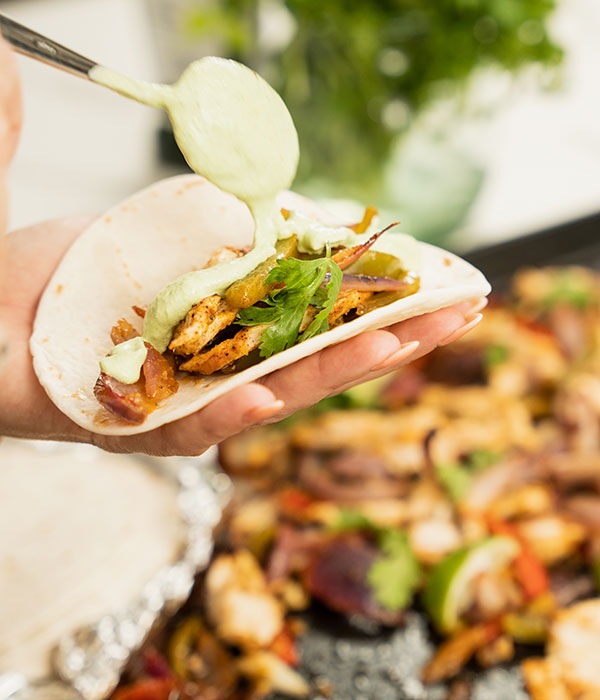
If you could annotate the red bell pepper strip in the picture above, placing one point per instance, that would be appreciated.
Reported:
(529, 571)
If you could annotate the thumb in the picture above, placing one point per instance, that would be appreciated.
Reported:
(11, 114)
(11, 109)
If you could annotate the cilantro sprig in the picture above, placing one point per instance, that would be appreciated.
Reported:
(307, 283)
(456, 478)
(396, 573)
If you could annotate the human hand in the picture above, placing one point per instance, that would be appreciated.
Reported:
(10, 122)
(26, 411)
(10, 125)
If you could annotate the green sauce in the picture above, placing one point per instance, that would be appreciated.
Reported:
(235, 130)
(313, 237)
(124, 361)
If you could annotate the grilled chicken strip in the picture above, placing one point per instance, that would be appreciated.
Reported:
(345, 302)
(570, 669)
(201, 325)
(213, 314)
(225, 353)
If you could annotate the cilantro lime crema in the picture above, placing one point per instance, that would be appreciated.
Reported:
(236, 131)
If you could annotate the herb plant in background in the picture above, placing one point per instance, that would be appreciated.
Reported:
(356, 75)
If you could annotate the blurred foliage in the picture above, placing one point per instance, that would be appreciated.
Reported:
(354, 74)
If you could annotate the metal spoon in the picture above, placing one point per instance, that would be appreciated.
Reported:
(35, 45)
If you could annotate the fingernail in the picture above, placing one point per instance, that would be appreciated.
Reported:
(478, 305)
(261, 413)
(459, 332)
(397, 356)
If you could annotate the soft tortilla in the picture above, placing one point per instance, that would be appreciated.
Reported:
(81, 532)
(126, 256)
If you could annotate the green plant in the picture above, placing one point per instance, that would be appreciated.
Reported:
(355, 73)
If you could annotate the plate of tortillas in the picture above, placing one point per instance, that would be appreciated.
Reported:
(94, 547)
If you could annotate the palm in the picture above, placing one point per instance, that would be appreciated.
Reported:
(32, 256)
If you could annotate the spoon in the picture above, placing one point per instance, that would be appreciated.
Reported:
(30, 43)
(230, 124)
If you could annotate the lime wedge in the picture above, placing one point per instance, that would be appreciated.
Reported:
(448, 592)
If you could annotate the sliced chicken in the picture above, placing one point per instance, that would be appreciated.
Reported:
(552, 538)
(271, 674)
(345, 302)
(238, 602)
(202, 323)
(571, 669)
(227, 352)
(224, 254)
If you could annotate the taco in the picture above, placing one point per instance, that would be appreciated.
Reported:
(100, 293)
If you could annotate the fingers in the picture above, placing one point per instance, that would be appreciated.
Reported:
(231, 414)
(11, 116)
(436, 328)
(308, 381)
(459, 332)
(368, 356)
(11, 110)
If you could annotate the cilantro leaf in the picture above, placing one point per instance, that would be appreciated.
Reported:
(495, 354)
(479, 460)
(396, 572)
(571, 289)
(256, 316)
(395, 575)
(324, 298)
(284, 309)
(349, 520)
(456, 478)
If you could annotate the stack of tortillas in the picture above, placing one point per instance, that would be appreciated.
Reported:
(81, 532)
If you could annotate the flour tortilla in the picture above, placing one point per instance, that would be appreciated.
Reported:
(129, 254)
(81, 533)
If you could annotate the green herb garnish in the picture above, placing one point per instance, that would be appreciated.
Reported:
(456, 478)
(350, 520)
(479, 460)
(394, 575)
(284, 308)
(495, 354)
(569, 289)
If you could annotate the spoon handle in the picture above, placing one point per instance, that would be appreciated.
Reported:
(37, 46)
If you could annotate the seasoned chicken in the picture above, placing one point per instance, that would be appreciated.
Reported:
(206, 318)
(202, 323)
(346, 301)
(571, 670)
(544, 681)
(369, 429)
(552, 538)
(213, 314)
(238, 602)
(227, 352)
(272, 674)
(224, 254)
